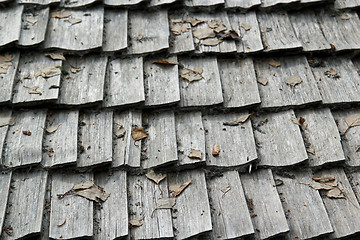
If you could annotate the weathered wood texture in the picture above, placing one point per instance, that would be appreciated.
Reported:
(161, 83)
(203, 3)
(34, 24)
(344, 213)
(275, 134)
(10, 24)
(61, 138)
(5, 180)
(302, 205)
(124, 84)
(113, 213)
(7, 80)
(31, 86)
(238, 83)
(246, 25)
(115, 30)
(62, 34)
(38, 2)
(126, 151)
(76, 3)
(192, 215)
(272, 3)
(5, 122)
(340, 30)
(237, 144)
(183, 42)
(206, 91)
(26, 204)
(230, 213)
(160, 145)
(245, 4)
(149, 31)
(342, 86)
(85, 85)
(23, 146)
(275, 26)
(308, 31)
(74, 214)
(154, 3)
(190, 136)
(121, 2)
(95, 137)
(342, 4)
(143, 195)
(322, 137)
(351, 137)
(263, 201)
(277, 92)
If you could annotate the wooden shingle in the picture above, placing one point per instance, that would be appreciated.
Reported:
(243, 4)
(33, 28)
(203, 3)
(10, 24)
(273, 3)
(180, 41)
(154, 3)
(344, 4)
(38, 2)
(76, 3)
(7, 80)
(5, 122)
(5, 181)
(121, 2)
(115, 30)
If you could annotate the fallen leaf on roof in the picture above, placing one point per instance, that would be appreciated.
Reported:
(226, 188)
(278, 182)
(217, 25)
(293, 80)
(301, 123)
(345, 16)
(335, 193)
(34, 90)
(168, 61)
(156, 177)
(195, 154)
(216, 150)
(56, 56)
(173, 187)
(310, 150)
(53, 128)
(329, 184)
(211, 42)
(180, 28)
(191, 75)
(174, 21)
(332, 73)
(5, 62)
(193, 21)
(88, 190)
(178, 191)
(228, 35)
(75, 69)
(26, 132)
(262, 81)
(138, 133)
(165, 203)
(73, 20)
(137, 222)
(61, 14)
(357, 148)
(202, 33)
(48, 72)
(245, 27)
(120, 132)
(274, 63)
(243, 118)
(31, 20)
(353, 120)
(324, 179)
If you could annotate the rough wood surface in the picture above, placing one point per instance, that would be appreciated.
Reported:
(122, 2)
(343, 4)
(277, 93)
(5, 180)
(230, 213)
(124, 82)
(340, 31)
(161, 83)
(322, 136)
(337, 90)
(76, 3)
(190, 136)
(7, 80)
(61, 138)
(149, 31)
(263, 201)
(126, 151)
(154, 3)
(272, 3)
(26, 135)
(33, 29)
(95, 137)
(275, 134)
(302, 205)
(10, 24)
(143, 195)
(238, 82)
(246, 25)
(308, 31)
(85, 86)
(245, 4)
(192, 215)
(28, 189)
(113, 213)
(275, 26)
(115, 30)
(62, 34)
(237, 144)
(203, 3)
(206, 91)
(160, 145)
(33, 88)
(344, 213)
(71, 217)
(38, 2)
(5, 119)
(183, 42)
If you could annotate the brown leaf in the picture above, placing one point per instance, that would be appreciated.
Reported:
(226, 188)
(195, 154)
(5, 62)
(274, 63)
(75, 70)
(332, 73)
(301, 123)
(156, 177)
(31, 19)
(190, 75)
(56, 56)
(193, 21)
(353, 120)
(73, 21)
(181, 188)
(262, 81)
(216, 150)
(27, 133)
(345, 16)
(243, 118)
(139, 133)
(168, 61)
(245, 27)
(310, 150)
(174, 21)
(335, 193)
(137, 222)
(53, 128)
(231, 34)
(90, 191)
(293, 80)
(324, 179)
(179, 28)
(217, 25)
(61, 14)
(50, 71)
(165, 203)
(211, 42)
(202, 33)
(33, 90)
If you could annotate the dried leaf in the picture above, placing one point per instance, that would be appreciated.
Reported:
(216, 150)
(211, 42)
(181, 188)
(278, 182)
(300, 123)
(202, 33)
(193, 21)
(165, 203)
(139, 133)
(353, 120)
(31, 19)
(195, 154)
(274, 63)
(27, 133)
(61, 14)
(293, 80)
(53, 128)
(262, 81)
(323, 186)
(174, 187)
(310, 150)
(191, 75)
(174, 21)
(243, 118)
(48, 72)
(217, 25)
(345, 16)
(75, 70)
(137, 222)
(324, 179)
(332, 73)
(73, 21)
(168, 61)
(5, 62)
(156, 177)
(228, 35)
(335, 193)
(33, 90)
(226, 188)
(90, 191)
(245, 27)
(56, 56)
(180, 28)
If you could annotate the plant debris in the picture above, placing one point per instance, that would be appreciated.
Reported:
(178, 190)
(165, 203)
(5, 62)
(345, 16)
(27, 133)
(202, 33)
(53, 128)
(245, 27)
(139, 133)
(293, 80)
(225, 189)
(262, 81)
(210, 42)
(193, 21)
(301, 123)
(329, 184)
(353, 120)
(50, 71)
(33, 90)
(61, 14)
(31, 19)
(156, 177)
(73, 20)
(195, 154)
(216, 150)
(179, 28)
(241, 119)
(137, 222)
(274, 63)
(120, 132)
(191, 75)
(56, 56)
(75, 70)
(331, 73)
(62, 224)
(168, 61)
(231, 34)
(217, 25)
